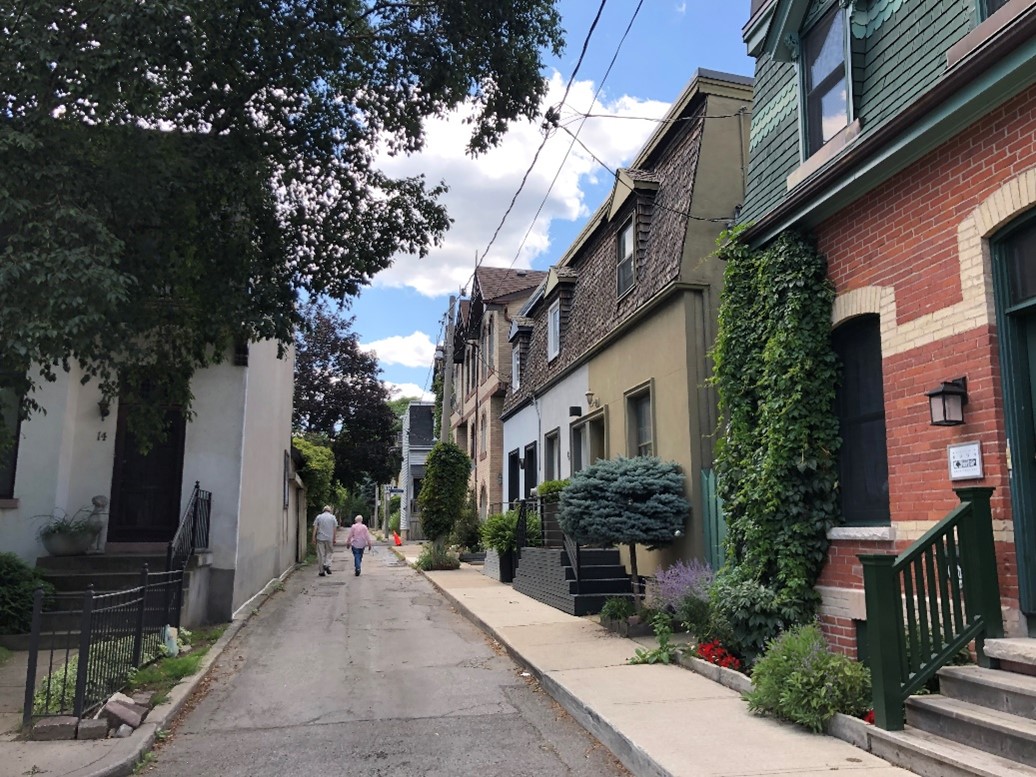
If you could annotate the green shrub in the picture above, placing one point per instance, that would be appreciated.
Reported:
(750, 613)
(801, 680)
(550, 490)
(443, 490)
(617, 608)
(500, 531)
(467, 529)
(434, 556)
(695, 614)
(18, 582)
(394, 521)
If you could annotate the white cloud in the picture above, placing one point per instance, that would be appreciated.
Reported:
(482, 187)
(413, 350)
(681, 8)
(397, 390)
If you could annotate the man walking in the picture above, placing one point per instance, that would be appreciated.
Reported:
(359, 539)
(324, 528)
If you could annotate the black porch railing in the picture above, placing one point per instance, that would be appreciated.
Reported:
(88, 643)
(193, 531)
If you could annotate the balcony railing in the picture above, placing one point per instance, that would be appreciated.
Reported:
(929, 602)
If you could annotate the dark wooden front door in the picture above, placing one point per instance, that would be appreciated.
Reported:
(145, 502)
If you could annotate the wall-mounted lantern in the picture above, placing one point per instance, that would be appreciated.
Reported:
(946, 402)
(592, 400)
(104, 407)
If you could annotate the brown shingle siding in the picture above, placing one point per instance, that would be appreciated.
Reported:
(590, 307)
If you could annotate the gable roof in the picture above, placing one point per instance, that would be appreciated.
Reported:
(494, 283)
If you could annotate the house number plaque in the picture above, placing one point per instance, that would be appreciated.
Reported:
(965, 460)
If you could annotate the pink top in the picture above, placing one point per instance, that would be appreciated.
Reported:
(358, 536)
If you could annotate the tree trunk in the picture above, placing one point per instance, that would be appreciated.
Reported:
(637, 598)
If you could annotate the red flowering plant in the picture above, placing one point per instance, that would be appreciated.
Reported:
(714, 652)
(868, 717)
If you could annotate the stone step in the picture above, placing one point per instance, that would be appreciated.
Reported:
(102, 581)
(595, 557)
(101, 562)
(1018, 651)
(596, 571)
(999, 733)
(1007, 692)
(933, 756)
(614, 586)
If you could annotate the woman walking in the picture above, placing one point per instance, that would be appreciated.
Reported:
(359, 539)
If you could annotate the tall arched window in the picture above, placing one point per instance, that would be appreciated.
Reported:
(860, 405)
(482, 433)
(490, 345)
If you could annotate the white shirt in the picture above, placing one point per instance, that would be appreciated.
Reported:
(325, 524)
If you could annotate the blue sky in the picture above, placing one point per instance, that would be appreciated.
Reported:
(399, 315)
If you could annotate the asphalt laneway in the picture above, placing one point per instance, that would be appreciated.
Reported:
(372, 675)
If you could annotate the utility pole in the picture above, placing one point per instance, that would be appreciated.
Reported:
(447, 377)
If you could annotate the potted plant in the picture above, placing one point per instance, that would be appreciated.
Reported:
(500, 539)
(65, 535)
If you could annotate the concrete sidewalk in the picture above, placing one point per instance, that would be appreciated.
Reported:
(657, 719)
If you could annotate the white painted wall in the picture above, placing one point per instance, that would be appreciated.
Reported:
(65, 458)
(520, 430)
(554, 405)
(266, 528)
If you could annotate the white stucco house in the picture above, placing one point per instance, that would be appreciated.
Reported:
(237, 446)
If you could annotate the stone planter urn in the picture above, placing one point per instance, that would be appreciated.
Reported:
(71, 544)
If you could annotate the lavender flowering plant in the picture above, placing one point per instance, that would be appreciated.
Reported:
(682, 579)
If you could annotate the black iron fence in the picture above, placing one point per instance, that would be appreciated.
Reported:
(193, 531)
(87, 644)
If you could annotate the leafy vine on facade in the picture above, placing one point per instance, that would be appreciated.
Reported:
(775, 375)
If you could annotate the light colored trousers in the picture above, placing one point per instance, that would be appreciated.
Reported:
(325, 552)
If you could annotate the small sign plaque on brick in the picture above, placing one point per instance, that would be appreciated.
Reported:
(965, 460)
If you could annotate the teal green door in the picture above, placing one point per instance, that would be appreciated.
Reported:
(1015, 287)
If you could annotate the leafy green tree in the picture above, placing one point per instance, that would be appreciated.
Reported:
(634, 501)
(173, 174)
(317, 472)
(339, 394)
(443, 489)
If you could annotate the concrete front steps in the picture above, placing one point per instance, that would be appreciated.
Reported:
(982, 723)
(546, 574)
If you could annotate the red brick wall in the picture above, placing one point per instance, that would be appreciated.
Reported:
(904, 234)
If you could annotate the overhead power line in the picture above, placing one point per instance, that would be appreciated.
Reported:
(713, 219)
(550, 123)
(568, 151)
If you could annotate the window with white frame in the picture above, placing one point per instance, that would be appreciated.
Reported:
(640, 424)
(625, 272)
(516, 367)
(552, 455)
(482, 433)
(825, 79)
(554, 330)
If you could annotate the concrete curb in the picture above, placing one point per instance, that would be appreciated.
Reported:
(846, 728)
(162, 715)
(633, 757)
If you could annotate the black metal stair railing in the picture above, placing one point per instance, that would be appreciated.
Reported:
(193, 531)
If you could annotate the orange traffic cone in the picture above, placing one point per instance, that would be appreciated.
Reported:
(396, 538)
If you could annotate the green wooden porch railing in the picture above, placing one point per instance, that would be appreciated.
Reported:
(926, 604)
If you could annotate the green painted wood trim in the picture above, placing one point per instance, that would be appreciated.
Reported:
(881, 160)
(1019, 421)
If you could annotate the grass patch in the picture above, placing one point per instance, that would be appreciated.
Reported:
(165, 673)
(5, 655)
